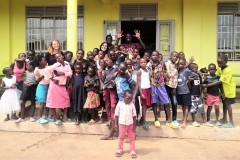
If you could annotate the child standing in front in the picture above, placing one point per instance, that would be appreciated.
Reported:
(212, 98)
(92, 84)
(125, 121)
(143, 80)
(9, 102)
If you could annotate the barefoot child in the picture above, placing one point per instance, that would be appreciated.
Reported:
(212, 98)
(143, 80)
(125, 121)
(9, 102)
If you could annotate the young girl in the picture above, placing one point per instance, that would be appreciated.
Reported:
(78, 93)
(9, 103)
(29, 92)
(92, 84)
(42, 88)
(143, 80)
(90, 58)
(101, 55)
(125, 121)
(80, 55)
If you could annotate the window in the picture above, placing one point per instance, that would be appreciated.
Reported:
(229, 30)
(44, 24)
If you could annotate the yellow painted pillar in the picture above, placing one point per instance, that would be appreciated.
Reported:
(72, 6)
(5, 34)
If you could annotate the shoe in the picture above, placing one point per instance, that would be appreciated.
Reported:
(42, 120)
(133, 154)
(32, 119)
(218, 124)
(7, 119)
(209, 124)
(58, 122)
(172, 125)
(146, 126)
(13, 116)
(20, 120)
(50, 119)
(196, 124)
(175, 122)
(157, 124)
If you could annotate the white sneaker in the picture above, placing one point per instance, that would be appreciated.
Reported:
(32, 119)
(20, 120)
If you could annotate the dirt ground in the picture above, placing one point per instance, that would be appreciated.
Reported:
(55, 146)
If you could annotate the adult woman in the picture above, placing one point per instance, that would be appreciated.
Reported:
(58, 97)
(53, 49)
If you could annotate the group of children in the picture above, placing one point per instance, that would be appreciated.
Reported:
(113, 79)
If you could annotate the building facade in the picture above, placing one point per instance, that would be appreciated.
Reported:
(199, 28)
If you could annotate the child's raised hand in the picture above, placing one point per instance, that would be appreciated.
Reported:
(137, 34)
(119, 35)
(191, 60)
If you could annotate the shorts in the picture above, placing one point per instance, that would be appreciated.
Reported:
(228, 101)
(212, 100)
(184, 99)
(159, 94)
(197, 105)
(28, 93)
(147, 94)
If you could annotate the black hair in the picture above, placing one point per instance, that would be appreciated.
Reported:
(123, 63)
(109, 35)
(38, 60)
(155, 51)
(223, 57)
(212, 64)
(31, 51)
(148, 51)
(128, 91)
(92, 67)
(78, 64)
(5, 70)
(203, 70)
(101, 46)
(32, 63)
(192, 65)
(173, 52)
(96, 49)
(69, 52)
(128, 33)
(81, 50)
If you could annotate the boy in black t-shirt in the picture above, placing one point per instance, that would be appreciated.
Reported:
(212, 98)
(197, 105)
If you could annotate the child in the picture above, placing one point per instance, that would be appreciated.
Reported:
(171, 83)
(95, 53)
(78, 93)
(29, 92)
(143, 80)
(125, 121)
(42, 88)
(9, 103)
(101, 55)
(229, 89)
(158, 90)
(90, 58)
(196, 95)
(212, 98)
(68, 55)
(92, 84)
(183, 92)
(80, 55)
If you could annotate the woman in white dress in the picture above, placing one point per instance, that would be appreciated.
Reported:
(9, 102)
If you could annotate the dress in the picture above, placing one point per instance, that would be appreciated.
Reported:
(10, 98)
(79, 94)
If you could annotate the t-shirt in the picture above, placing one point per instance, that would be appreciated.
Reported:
(183, 76)
(196, 86)
(213, 90)
(157, 77)
(30, 77)
(228, 83)
(109, 73)
(122, 84)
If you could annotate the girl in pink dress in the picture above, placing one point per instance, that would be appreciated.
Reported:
(58, 97)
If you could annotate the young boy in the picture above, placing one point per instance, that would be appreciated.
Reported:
(125, 121)
(196, 95)
(229, 89)
(212, 98)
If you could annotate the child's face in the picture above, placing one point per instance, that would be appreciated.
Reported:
(181, 64)
(147, 56)
(221, 62)
(115, 47)
(121, 48)
(9, 72)
(181, 55)
(78, 69)
(80, 55)
(128, 98)
(174, 57)
(155, 57)
(22, 56)
(194, 69)
(135, 53)
(59, 57)
(143, 63)
(129, 64)
(95, 51)
(160, 57)
(108, 62)
(122, 69)
(90, 71)
(29, 67)
(90, 56)
(31, 56)
(102, 64)
(43, 62)
(113, 55)
(68, 57)
(101, 54)
(212, 69)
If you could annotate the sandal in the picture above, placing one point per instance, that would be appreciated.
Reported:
(196, 124)
(133, 154)
(119, 153)
(218, 124)
(91, 121)
(228, 125)
(157, 124)
(172, 125)
(7, 119)
(209, 124)
(145, 126)
(58, 122)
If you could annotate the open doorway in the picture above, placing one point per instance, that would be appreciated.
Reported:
(148, 32)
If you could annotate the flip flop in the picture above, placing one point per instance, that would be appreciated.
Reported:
(172, 125)
(145, 126)
(119, 153)
(133, 154)
(196, 124)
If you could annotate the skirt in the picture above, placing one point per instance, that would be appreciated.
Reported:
(10, 101)
(41, 93)
(93, 100)
(57, 96)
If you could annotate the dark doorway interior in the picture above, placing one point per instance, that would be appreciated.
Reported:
(148, 32)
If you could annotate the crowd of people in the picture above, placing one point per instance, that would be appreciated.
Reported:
(115, 78)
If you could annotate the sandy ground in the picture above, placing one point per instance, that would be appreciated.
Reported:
(52, 146)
